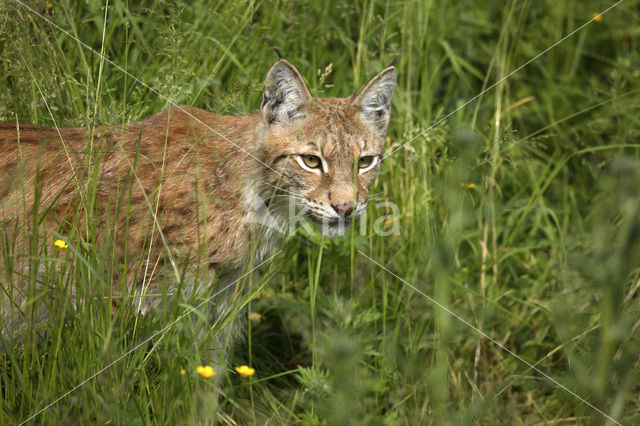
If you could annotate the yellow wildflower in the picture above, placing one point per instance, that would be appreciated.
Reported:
(61, 246)
(597, 17)
(255, 317)
(471, 186)
(206, 371)
(183, 371)
(245, 371)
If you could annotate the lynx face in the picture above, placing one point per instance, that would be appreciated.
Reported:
(324, 153)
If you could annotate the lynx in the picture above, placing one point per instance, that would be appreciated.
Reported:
(189, 190)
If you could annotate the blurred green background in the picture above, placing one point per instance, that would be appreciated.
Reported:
(520, 213)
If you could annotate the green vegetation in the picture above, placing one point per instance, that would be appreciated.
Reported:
(520, 213)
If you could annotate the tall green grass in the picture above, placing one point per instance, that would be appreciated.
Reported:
(519, 213)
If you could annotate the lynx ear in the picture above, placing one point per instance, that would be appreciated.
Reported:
(285, 95)
(374, 99)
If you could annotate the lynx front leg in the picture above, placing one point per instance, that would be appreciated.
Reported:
(217, 356)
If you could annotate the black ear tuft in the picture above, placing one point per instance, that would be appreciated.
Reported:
(394, 60)
(273, 46)
(285, 94)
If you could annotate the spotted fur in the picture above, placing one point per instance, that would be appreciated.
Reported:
(192, 190)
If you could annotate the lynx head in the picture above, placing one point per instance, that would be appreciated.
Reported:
(324, 153)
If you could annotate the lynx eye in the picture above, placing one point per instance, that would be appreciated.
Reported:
(311, 163)
(367, 163)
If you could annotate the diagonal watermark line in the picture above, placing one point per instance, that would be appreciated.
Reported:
(596, 16)
(145, 341)
(248, 153)
(160, 95)
(486, 336)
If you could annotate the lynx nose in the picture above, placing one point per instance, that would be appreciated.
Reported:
(344, 209)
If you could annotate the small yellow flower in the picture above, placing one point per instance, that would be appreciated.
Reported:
(61, 246)
(255, 317)
(597, 17)
(48, 5)
(245, 371)
(183, 371)
(471, 186)
(206, 371)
